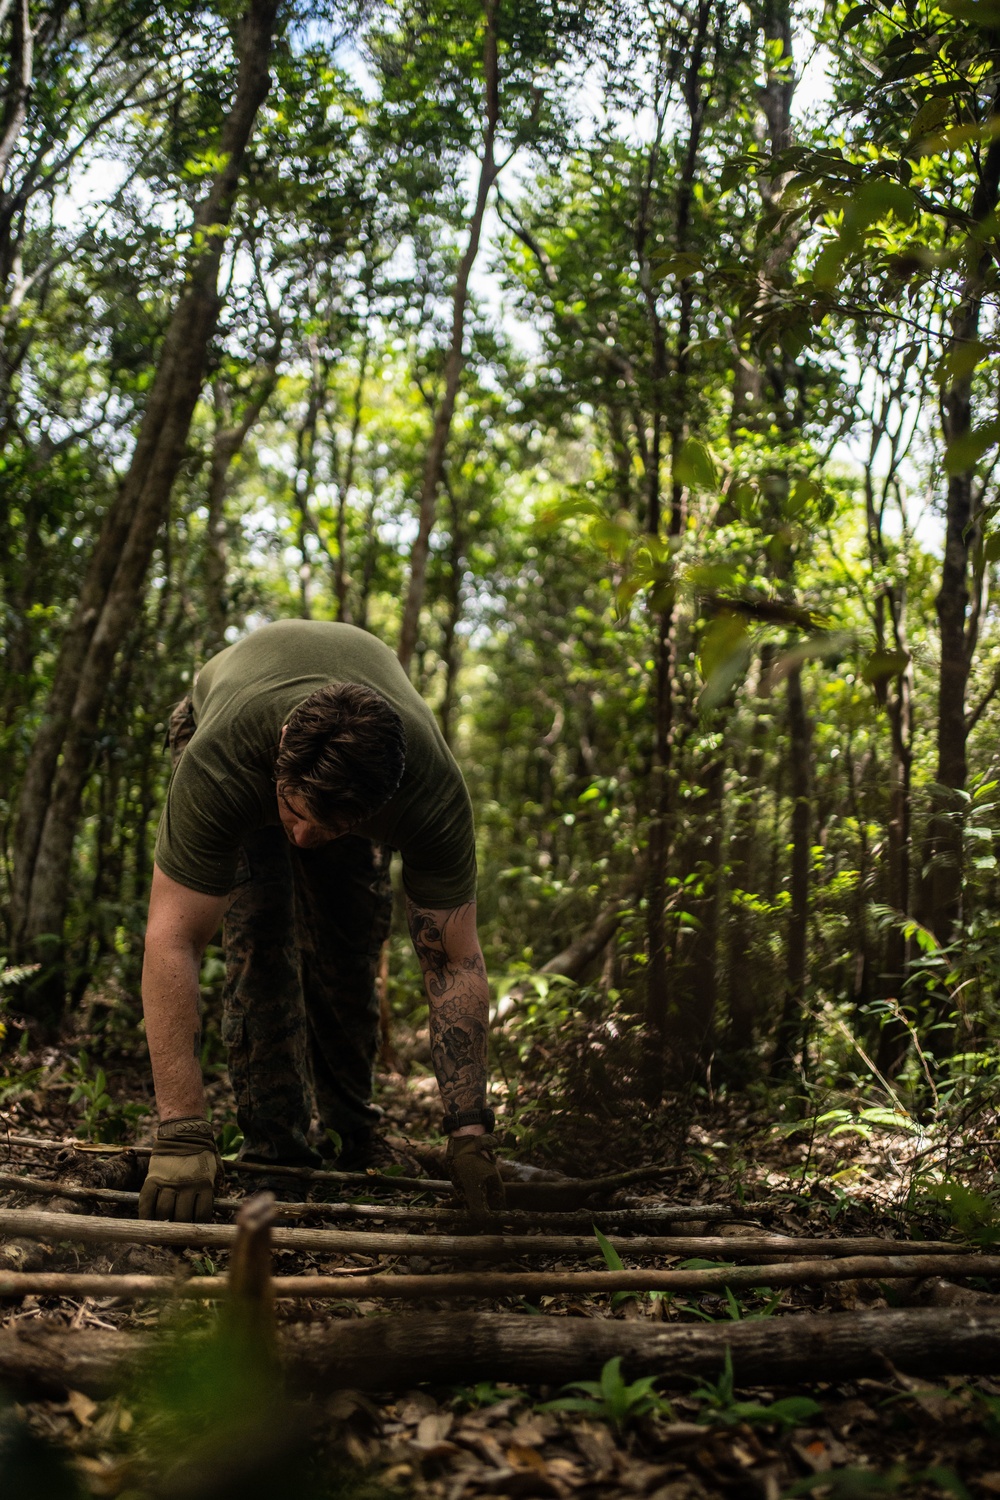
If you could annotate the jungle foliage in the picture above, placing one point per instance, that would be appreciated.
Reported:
(632, 369)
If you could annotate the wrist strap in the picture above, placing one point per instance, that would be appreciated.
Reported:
(189, 1129)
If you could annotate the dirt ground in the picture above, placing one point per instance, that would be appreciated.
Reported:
(888, 1434)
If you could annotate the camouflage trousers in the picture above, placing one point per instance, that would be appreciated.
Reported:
(302, 938)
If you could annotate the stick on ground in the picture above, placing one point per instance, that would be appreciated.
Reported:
(494, 1284)
(30, 1223)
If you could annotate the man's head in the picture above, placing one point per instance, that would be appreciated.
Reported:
(341, 757)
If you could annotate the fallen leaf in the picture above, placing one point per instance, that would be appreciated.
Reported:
(82, 1407)
(414, 1405)
(534, 1428)
(433, 1429)
(597, 1446)
(525, 1458)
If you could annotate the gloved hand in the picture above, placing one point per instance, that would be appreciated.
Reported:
(183, 1171)
(472, 1167)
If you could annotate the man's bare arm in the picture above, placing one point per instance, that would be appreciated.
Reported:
(181, 924)
(447, 947)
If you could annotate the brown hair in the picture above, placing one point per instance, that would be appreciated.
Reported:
(342, 753)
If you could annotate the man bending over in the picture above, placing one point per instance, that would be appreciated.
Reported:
(302, 759)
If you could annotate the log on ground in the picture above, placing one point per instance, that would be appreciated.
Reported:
(396, 1353)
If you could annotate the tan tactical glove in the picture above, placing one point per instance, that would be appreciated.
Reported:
(472, 1167)
(183, 1171)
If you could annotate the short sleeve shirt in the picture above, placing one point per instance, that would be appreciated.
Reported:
(223, 787)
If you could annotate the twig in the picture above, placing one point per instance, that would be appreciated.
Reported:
(900, 1106)
(516, 1284)
(30, 1223)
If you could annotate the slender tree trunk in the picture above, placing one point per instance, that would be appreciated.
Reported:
(59, 764)
(19, 83)
(942, 889)
(230, 436)
(340, 573)
(790, 1028)
(434, 463)
(659, 998)
(450, 651)
(894, 1036)
(695, 962)
(745, 868)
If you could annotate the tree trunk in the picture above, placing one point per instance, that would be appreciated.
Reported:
(434, 462)
(790, 1027)
(659, 997)
(345, 483)
(694, 979)
(60, 760)
(231, 433)
(450, 646)
(396, 1353)
(942, 891)
(745, 1000)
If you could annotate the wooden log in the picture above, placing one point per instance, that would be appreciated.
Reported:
(397, 1353)
(657, 1214)
(29, 1223)
(530, 1284)
(393, 1353)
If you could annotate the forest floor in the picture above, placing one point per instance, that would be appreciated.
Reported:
(849, 1175)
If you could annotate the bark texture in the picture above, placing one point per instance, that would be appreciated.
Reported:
(959, 598)
(57, 770)
(378, 1354)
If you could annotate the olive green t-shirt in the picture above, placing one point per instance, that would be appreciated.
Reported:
(223, 787)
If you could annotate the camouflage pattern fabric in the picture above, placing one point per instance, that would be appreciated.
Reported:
(302, 938)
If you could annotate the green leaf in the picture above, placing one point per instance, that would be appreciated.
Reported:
(963, 453)
(611, 1256)
(930, 116)
(612, 537)
(881, 197)
(791, 1411)
(883, 664)
(907, 67)
(979, 12)
(695, 466)
(854, 17)
(960, 362)
(724, 658)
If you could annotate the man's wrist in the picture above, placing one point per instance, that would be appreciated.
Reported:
(469, 1130)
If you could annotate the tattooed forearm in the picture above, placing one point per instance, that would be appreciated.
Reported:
(458, 995)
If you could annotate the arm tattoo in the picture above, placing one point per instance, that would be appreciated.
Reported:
(459, 1005)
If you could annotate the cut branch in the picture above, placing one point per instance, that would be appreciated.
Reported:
(878, 1262)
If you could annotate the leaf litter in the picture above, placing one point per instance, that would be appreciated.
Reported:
(613, 1436)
